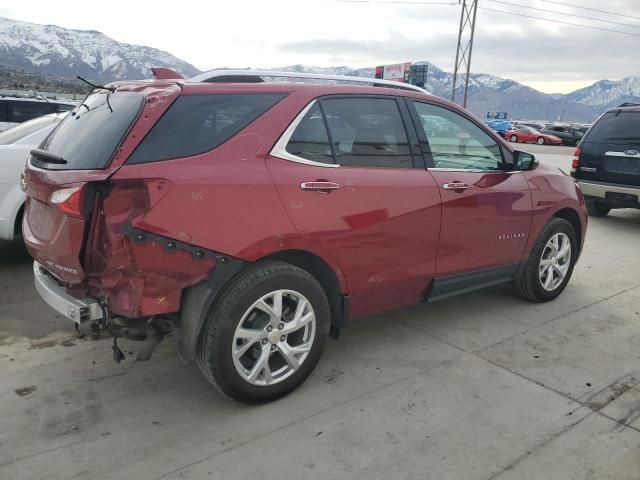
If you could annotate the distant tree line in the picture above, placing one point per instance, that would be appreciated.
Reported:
(23, 80)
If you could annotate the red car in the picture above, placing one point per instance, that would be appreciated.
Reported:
(257, 217)
(525, 134)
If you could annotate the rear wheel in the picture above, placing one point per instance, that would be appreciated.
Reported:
(266, 335)
(550, 263)
(596, 208)
(514, 138)
(540, 141)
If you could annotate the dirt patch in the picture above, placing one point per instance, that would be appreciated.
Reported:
(24, 391)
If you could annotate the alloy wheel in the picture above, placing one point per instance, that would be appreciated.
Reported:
(274, 337)
(555, 261)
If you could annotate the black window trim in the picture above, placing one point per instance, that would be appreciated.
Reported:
(507, 158)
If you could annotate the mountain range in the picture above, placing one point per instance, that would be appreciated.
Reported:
(65, 53)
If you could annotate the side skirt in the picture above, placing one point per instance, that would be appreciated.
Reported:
(445, 287)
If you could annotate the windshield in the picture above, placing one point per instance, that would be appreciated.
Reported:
(18, 132)
(87, 138)
(620, 126)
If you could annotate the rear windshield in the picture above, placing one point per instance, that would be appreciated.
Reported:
(195, 124)
(18, 132)
(87, 138)
(621, 126)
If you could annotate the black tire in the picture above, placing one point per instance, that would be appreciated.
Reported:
(216, 339)
(527, 283)
(513, 139)
(596, 208)
(540, 141)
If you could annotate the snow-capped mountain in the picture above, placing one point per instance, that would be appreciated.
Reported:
(608, 93)
(487, 93)
(61, 52)
(64, 52)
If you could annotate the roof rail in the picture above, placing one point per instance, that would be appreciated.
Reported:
(256, 76)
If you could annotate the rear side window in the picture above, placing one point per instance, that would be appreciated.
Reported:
(3, 112)
(310, 140)
(21, 111)
(195, 124)
(616, 127)
(87, 138)
(367, 132)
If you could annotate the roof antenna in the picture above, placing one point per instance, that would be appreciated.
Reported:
(55, 110)
(94, 86)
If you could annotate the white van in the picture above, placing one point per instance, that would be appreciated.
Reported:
(15, 110)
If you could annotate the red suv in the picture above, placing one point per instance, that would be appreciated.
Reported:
(257, 217)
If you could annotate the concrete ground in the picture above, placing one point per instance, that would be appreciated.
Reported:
(483, 386)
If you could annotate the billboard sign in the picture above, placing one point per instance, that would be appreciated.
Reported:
(398, 72)
(497, 115)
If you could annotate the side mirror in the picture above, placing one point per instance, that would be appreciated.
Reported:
(524, 161)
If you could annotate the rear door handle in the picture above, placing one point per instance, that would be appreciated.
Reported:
(455, 186)
(320, 186)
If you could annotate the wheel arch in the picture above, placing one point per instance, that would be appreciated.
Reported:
(200, 299)
(571, 216)
(326, 276)
(17, 226)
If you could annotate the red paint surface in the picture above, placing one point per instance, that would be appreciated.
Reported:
(385, 232)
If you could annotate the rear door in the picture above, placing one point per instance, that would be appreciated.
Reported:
(486, 209)
(353, 181)
(610, 152)
(84, 149)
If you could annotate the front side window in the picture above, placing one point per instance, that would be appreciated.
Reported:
(310, 140)
(456, 142)
(367, 132)
(196, 124)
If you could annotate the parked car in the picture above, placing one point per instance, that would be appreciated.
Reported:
(257, 217)
(569, 135)
(534, 125)
(607, 161)
(499, 126)
(15, 145)
(525, 134)
(15, 110)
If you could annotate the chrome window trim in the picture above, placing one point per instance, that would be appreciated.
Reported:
(623, 154)
(279, 150)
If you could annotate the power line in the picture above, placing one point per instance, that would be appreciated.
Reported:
(562, 22)
(592, 9)
(563, 13)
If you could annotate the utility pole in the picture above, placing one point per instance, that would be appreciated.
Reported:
(465, 45)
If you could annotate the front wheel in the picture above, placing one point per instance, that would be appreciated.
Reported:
(266, 335)
(540, 141)
(514, 139)
(550, 263)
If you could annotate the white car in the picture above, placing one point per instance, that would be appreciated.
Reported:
(15, 145)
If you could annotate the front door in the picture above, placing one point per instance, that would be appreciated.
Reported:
(359, 192)
(486, 210)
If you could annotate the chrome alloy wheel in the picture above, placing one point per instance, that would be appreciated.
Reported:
(274, 337)
(555, 261)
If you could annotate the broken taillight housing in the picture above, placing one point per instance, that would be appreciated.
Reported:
(69, 200)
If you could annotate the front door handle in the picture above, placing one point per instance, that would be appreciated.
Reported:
(320, 186)
(455, 186)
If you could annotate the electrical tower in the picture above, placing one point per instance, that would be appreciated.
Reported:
(465, 46)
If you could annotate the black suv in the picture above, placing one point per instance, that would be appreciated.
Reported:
(607, 163)
(568, 134)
